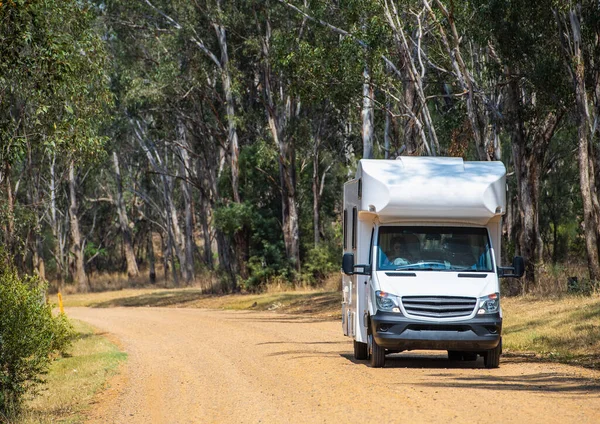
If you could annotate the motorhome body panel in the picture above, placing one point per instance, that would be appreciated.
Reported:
(357, 239)
(425, 188)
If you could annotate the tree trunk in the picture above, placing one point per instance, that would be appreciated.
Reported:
(232, 136)
(172, 227)
(529, 240)
(132, 268)
(315, 189)
(151, 257)
(77, 264)
(367, 115)
(56, 228)
(204, 222)
(387, 130)
(188, 238)
(33, 194)
(583, 146)
(279, 113)
(419, 114)
(478, 118)
(207, 168)
(573, 49)
(10, 209)
(527, 173)
(411, 126)
(174, 237)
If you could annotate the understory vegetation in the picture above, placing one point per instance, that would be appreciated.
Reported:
(30, 337)
(74, 380)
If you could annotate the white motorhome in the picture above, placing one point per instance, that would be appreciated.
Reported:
(421, 262)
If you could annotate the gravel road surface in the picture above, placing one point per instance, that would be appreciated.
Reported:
(206, 366)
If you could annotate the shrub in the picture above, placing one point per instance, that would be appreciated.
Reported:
(29, 336)
(320, 262)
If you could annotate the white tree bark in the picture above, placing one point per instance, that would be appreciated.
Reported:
(132, 268)
(367, 115)
(77, 264)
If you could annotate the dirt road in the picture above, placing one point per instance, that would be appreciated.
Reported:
(201, 366)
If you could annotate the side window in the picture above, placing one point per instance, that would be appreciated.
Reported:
(371, 247)
(360, 189)
(345, 228)
(354, 225)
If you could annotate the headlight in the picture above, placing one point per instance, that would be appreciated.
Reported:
(387, 302)
(489, 304)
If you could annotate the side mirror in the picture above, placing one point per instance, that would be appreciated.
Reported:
(515, 271)
(348, 263)
(348, 266)
(518, 266)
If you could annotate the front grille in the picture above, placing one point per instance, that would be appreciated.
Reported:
(439, 306)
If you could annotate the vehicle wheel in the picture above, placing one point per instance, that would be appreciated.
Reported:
(455, 355)
(491, 358)
(469, 356)
(376, 353)
(360, 351)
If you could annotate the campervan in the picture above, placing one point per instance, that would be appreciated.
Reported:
(421, 261)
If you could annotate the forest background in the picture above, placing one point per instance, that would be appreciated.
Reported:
(178, 141)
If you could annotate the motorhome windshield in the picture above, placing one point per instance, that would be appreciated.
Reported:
(422, 248)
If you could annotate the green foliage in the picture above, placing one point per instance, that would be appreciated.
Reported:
(233, 217)
(23, 219)
(53, 85)
(92, 250)
(29, 335)
(320, 262)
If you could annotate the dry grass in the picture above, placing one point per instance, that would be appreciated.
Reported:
(553, 279)
(74, 380)
(319, 303)
(564, 330)
(103, 282)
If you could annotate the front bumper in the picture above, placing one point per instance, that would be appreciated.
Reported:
(397, 332)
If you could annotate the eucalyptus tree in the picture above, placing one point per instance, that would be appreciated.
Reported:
(53, 96)
(579, 32)
(522, 36)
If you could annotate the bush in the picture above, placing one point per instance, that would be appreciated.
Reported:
(29, 336)
(320, 262)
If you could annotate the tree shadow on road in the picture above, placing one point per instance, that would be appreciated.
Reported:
(155, 299)
(550, 382)
(490, 379)
(408, 360)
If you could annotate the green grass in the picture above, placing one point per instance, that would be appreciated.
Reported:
(74, 380)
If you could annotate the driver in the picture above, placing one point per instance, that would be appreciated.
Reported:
(405, 250)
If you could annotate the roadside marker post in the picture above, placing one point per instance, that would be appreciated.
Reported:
(60, 304)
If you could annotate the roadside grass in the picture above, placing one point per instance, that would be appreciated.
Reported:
(563, 329)
(318, 303)
(73, 380)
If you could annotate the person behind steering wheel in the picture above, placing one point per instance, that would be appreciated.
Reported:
(405, 250)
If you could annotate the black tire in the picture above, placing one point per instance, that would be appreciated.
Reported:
(455, 355)
(361, 351)
(377, 354)
(491, 358)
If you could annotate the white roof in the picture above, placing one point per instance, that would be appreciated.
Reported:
(432, 188)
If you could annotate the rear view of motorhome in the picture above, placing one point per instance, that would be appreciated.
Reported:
(421, 262)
